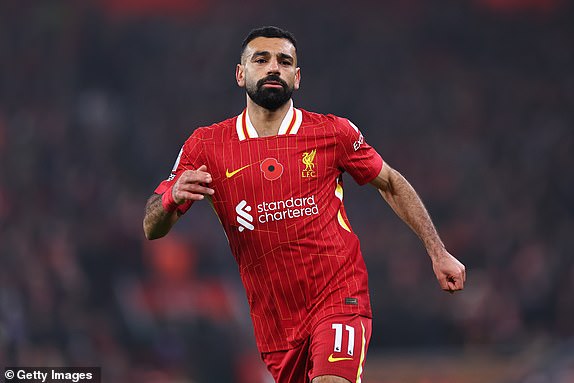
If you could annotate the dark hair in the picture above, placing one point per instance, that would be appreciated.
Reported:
(269, 32)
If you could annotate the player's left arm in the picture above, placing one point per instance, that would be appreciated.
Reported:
(406, 203)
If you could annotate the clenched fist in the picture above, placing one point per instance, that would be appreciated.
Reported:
(190, 186)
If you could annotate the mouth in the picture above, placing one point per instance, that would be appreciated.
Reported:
(272, 84)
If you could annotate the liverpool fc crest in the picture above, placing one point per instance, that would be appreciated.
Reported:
(308, 161)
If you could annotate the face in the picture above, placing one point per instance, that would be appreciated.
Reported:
(269, 72)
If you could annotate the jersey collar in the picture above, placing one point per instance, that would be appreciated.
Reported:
(290, 124)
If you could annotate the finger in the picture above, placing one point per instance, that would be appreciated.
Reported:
(195, 176)
(455, 284)
(459, 282)
(202, 171)
(451, 286)
(184, 195)
(196, 188)
(443, 283)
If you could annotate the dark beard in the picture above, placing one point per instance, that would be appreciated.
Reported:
(270, 98)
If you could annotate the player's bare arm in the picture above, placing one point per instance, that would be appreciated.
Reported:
(406, 203)
(189, 187)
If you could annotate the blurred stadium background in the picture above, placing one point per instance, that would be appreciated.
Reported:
(472, 100)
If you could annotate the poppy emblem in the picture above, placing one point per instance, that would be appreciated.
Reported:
(271, 169)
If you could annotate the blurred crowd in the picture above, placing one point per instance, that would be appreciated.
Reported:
(474, 105)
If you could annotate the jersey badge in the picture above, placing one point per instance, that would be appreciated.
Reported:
(309, 162)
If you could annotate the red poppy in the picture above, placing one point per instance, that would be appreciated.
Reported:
(271, 169)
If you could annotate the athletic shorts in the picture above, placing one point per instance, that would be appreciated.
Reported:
(337, 346)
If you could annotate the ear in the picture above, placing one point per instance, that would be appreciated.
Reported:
(240, 75)
(297, 78)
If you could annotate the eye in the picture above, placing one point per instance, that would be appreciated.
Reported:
(260, 61)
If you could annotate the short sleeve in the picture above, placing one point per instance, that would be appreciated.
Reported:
(354, 155)
(190, 157)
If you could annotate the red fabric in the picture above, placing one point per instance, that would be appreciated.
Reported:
(317, 356)
(168, 202)
(289, 366)
(297, 261)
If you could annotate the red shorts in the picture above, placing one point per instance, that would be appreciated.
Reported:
(337, 346)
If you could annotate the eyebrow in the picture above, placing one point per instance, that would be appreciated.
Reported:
(267, 53)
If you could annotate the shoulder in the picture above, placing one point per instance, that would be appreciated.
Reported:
(340, 129)
(329, 122)
(312, 116)
(214, 131)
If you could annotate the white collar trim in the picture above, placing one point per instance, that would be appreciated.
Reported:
(290, 124)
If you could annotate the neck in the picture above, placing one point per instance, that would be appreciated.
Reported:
(266, 122)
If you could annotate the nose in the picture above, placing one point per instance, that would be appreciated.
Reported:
(273, 66)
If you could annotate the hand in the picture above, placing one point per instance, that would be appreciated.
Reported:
(451, 274)
(190, 185)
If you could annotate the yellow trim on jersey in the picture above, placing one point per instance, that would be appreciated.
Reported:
(342, 221)
(362, 359)
(339, 191)
(297, 122)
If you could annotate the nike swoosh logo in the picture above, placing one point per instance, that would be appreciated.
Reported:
(332, 359)
(229, 174)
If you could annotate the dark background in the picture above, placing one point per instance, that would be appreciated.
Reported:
(472, 101)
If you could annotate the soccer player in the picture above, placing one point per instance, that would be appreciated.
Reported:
(273, 176)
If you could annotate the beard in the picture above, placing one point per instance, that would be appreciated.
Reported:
(270, 98)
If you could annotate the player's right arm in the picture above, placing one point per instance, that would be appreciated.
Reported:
(161, 211)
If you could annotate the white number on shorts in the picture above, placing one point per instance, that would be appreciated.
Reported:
(338, 327)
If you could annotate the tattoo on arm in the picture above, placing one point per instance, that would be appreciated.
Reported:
(157, 222)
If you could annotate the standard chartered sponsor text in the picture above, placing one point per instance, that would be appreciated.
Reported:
(289, 208)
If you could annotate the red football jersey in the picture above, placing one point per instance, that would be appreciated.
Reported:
(280, 201)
